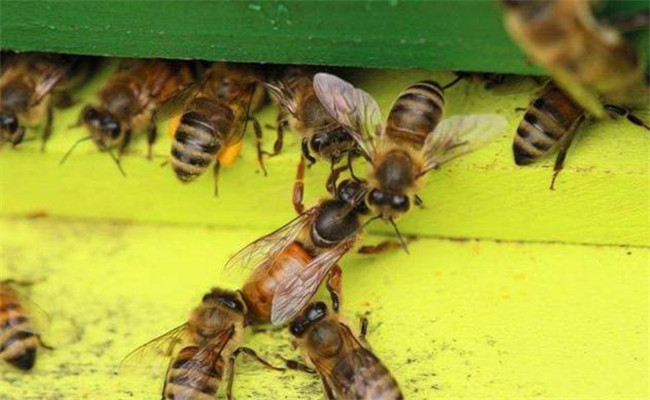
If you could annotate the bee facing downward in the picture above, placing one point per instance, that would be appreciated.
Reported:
(348, 368)
(19, 339)
(414, 140)
(210, 340)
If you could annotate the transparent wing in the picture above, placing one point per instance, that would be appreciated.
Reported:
(50, 77)
(292, 295)
(38, 318)
(351, 107)
(263, 251)
(460, 134)
(176, 104)
(156, 353)
(281, 93)
(237, 137)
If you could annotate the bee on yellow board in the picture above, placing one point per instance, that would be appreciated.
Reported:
(203, 349)
(19, 338)
(588, 59)
(214, 113)
(322, 136)
(31, 85)
(414, 140)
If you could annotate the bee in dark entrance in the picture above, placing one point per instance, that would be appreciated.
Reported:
(19, 339)
(209, 342)
(414, 140)
(215, 112)
(31, 86)
(322, 136)
(348, 368)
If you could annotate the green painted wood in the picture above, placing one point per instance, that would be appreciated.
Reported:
(447, 35)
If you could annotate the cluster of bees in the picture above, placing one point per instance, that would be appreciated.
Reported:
(595, 73)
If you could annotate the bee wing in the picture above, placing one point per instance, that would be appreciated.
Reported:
(282, 94)
(38, 318)
(155, 353)
(293, 294)
(49, 78)
(176, 104)
(353, 108)
(237, 137)
(460, 134)
(263, 251)
(204, 360)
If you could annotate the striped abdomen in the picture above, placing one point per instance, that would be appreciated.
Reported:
(362, 376)
(549, 119)
(18, 341)
(201, 134)
(259, 289)
(416, 113)
(190, 378)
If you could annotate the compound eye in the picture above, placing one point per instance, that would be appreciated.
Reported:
(297, 328)
(400, 202)
(9, 122)
(113, 128)
(90, 114)
(377, 197)
(316, 311)
(320, 140)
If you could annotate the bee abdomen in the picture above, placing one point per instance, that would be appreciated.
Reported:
(363, 376)
(18, 346)
(416, 113)
(548, 120)
(195, 145)
(192, 378)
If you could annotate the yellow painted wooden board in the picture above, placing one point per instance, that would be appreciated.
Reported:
(602, 197)
(455, 319)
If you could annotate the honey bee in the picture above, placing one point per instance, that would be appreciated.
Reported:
(591, 61)
(348, 368)
(290, 263)
(19, 339)
(322, 136)
(127, 101)
(215, 112)
(414, 140)
(32, 84)
(210, 342)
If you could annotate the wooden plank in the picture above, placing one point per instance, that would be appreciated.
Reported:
(601, 197)
(456, 320)
(460, 35)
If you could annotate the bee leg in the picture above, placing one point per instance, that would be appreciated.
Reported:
(152, 134)
(559, 160)
(19, 137)
(297, 365)
(386, 245)
(231, 366)
(363, 330)
(328, 389)
(333, 178)
(624, 112)
(352, 175)
(42, 343)
(258, 139)
(215, 174)
(125, 142)
(520, 109)
(299, 187)
(418, 201)
(334, 287)
(47, 132)
(306, 154)
(277, 146)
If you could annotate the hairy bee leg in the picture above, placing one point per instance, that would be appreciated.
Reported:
(351, 168)
(306, 154)
(125, 142)
(626, 113)
(334, 285)
(386, 245)
(47, 132)
(231, 366)
(363, 331)
(333, 178)
(297, 365)
(299, 187)
(215, 176)
(258, 144)
(282, 124)
(559, 160)
(152, 135)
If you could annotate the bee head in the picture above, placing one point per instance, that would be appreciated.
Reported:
(8, 123)
(390, 203)
(104, 127)
(332, 144)
(229, 299)
(312, 314)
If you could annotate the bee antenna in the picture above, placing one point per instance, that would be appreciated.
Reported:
(65, 157)
(370, 220)
(399, 236)
(117, 160)
(459, 77)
